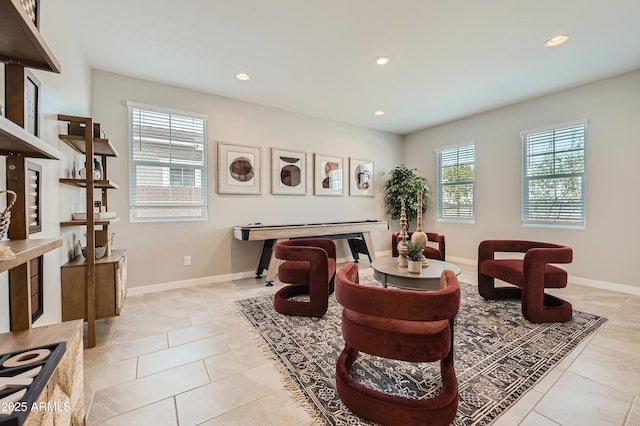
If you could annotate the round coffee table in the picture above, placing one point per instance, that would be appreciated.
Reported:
(388, 272)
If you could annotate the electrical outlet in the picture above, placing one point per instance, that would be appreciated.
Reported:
(187, 261)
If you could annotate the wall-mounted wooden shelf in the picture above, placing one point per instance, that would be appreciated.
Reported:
(107, 184)
(21, 42)
(84, 222)
(25, 250)
(100, 146)
(16, 140)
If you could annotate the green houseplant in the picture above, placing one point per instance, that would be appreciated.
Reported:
(403, 184)
(414, 256)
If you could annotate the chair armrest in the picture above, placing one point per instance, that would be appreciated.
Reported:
(435, 237)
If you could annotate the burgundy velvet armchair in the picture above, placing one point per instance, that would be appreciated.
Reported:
(529, 277)
(429, 252)
(309, 267)
(415, 326)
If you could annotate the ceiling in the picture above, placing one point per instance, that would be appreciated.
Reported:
(449, 58)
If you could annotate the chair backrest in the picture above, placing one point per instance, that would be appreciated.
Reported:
(301, 249)
(399, 304)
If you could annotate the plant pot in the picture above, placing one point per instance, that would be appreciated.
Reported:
(414, 266)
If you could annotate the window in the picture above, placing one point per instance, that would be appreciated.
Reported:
(168, 160)
(456, 177)
(554, 186)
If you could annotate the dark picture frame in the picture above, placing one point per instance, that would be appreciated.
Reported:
(32, 104)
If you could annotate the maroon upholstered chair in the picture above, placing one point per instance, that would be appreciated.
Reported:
(530, 276)
(310, 268)
(429, 252)
(415, 326)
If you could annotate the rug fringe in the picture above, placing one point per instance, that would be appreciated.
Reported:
(287, 381)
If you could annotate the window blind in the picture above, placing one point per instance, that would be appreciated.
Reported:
(554, 184)
(168, 158)
(456, 180)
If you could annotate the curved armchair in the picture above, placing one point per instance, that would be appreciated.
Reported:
(310, 268)
(530, 276)
(429, 252)
(415, 326)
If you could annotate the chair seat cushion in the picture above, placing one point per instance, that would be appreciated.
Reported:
(297, 271)
(510, 270)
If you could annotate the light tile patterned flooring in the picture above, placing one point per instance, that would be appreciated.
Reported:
(187, 357)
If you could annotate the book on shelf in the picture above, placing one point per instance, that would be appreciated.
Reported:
(96, 216)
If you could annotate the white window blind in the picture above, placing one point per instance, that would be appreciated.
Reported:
(554, 177)
(168, 160)
(456, 180)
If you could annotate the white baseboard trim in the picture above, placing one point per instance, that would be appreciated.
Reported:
(603, 285)
(155, 288)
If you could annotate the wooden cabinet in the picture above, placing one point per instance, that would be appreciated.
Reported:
(92, 288)
(111, 286)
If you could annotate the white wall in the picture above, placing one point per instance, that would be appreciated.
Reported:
(606, 250)
(69, 93)
(156, 250)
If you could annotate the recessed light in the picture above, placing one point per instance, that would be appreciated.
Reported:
(243, 76)
(382, 60)
(557, 40)
(378, 113)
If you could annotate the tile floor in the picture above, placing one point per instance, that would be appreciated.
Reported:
(186, 357)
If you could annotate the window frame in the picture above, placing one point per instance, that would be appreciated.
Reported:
(136, 207)
(456, 150)
(528, 220)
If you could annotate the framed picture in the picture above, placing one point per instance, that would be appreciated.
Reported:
(327, 175)
(32, 7)
(238, 169)
(288, 172)
(360, 178)
(34, 203)
(32, 104)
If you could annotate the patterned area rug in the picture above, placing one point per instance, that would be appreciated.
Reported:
(498, 356)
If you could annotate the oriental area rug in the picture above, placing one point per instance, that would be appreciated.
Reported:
(498, 356)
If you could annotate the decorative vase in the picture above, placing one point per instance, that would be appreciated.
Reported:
(414, 266)
(97, 169)
(402, 239)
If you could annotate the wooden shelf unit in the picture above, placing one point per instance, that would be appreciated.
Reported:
(92, 288)
(100, 146)
(21, 42)
(104, 222)
(25, 250)
(14, 140)
(103, 183)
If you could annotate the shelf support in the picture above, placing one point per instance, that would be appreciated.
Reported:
(19, 277)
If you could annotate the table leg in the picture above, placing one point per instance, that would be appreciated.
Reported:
(366, 236)
(272, 271)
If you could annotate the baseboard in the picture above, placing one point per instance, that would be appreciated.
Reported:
(603, 285)
(154, 288)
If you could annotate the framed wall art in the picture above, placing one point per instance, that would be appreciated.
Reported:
(288, 172)
(239, 169)
(327, 175)
(34, 202)
(360, 178)
(31, 104)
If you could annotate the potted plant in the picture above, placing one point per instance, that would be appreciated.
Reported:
(403, 184)
(414, 256)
